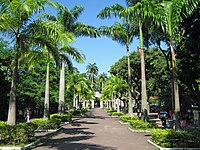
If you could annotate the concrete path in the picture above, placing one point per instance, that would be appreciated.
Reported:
(97, 131)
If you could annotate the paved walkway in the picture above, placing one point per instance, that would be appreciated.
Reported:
(97, 131)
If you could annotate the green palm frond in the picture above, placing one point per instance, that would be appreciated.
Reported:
(30, 58)
(47, 16)
(168, 14)
(132, 2)
(122, 33)
(111, 11)
(4, 4)
(81, 29)
(74, 53)
(76, 11)
(141, 10)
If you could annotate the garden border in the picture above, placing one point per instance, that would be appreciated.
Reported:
(139, 131)
(162, 148)
(125, 123)
(51, 133)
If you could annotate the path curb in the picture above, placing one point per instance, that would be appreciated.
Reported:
(139, 131)
(126, 123)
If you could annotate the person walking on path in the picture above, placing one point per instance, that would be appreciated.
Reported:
(97, 131)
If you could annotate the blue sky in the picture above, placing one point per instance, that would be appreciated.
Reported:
(102, 51)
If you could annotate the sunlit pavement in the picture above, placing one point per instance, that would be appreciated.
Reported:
(96, 131)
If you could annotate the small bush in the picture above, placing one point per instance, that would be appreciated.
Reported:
(84, 110)
(62, 117)
(111, 111)
(78, 111)
(106, 109)
(176, 139)
(42, 124)
(140, 125)
(53, 123)
(126, 118)
(18, 134)
(117, 114)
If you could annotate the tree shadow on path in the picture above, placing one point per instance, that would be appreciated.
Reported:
(71, 143)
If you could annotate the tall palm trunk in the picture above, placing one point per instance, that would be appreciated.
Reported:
(77, 101)
(130, 109)
(143, 77)
(62, 88)
(46, 100)
(74, 100)
(176, 89)
(11, 120)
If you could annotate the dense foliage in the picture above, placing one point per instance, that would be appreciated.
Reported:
(18, 134)
(171, 139)
(5, 76)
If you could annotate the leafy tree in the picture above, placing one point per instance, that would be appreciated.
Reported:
(158, 78)
(5, 76)
(80, 86)
(135, 13)
(114, 88)
(187, 54)
(25, 33)
(168, 16)
(31, 89)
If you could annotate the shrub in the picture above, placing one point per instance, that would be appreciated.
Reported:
(18, 134)
(117, 114)
(176, 139)
(53, 123)
(78, 111)
(106, 109)
(84, 110)
(126, 118)
(140, 125)
(62, 117)
(42, 124)
(4, 132)
(110, 111)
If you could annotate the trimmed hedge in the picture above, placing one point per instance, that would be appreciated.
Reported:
(42, 124)
(126, 118)
(117, 114)
(62, 117)
(19, 134)
(140, 125)
(23, 133)
(78, 111)
(175, 139)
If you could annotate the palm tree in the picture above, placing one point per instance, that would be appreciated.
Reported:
(169, 15)
(123, 34)
(102, 79)
(114, 88)
(137, 12)
(80, 87)
(66, 53)
(92, 72)
(17, 24)
(68, 19)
